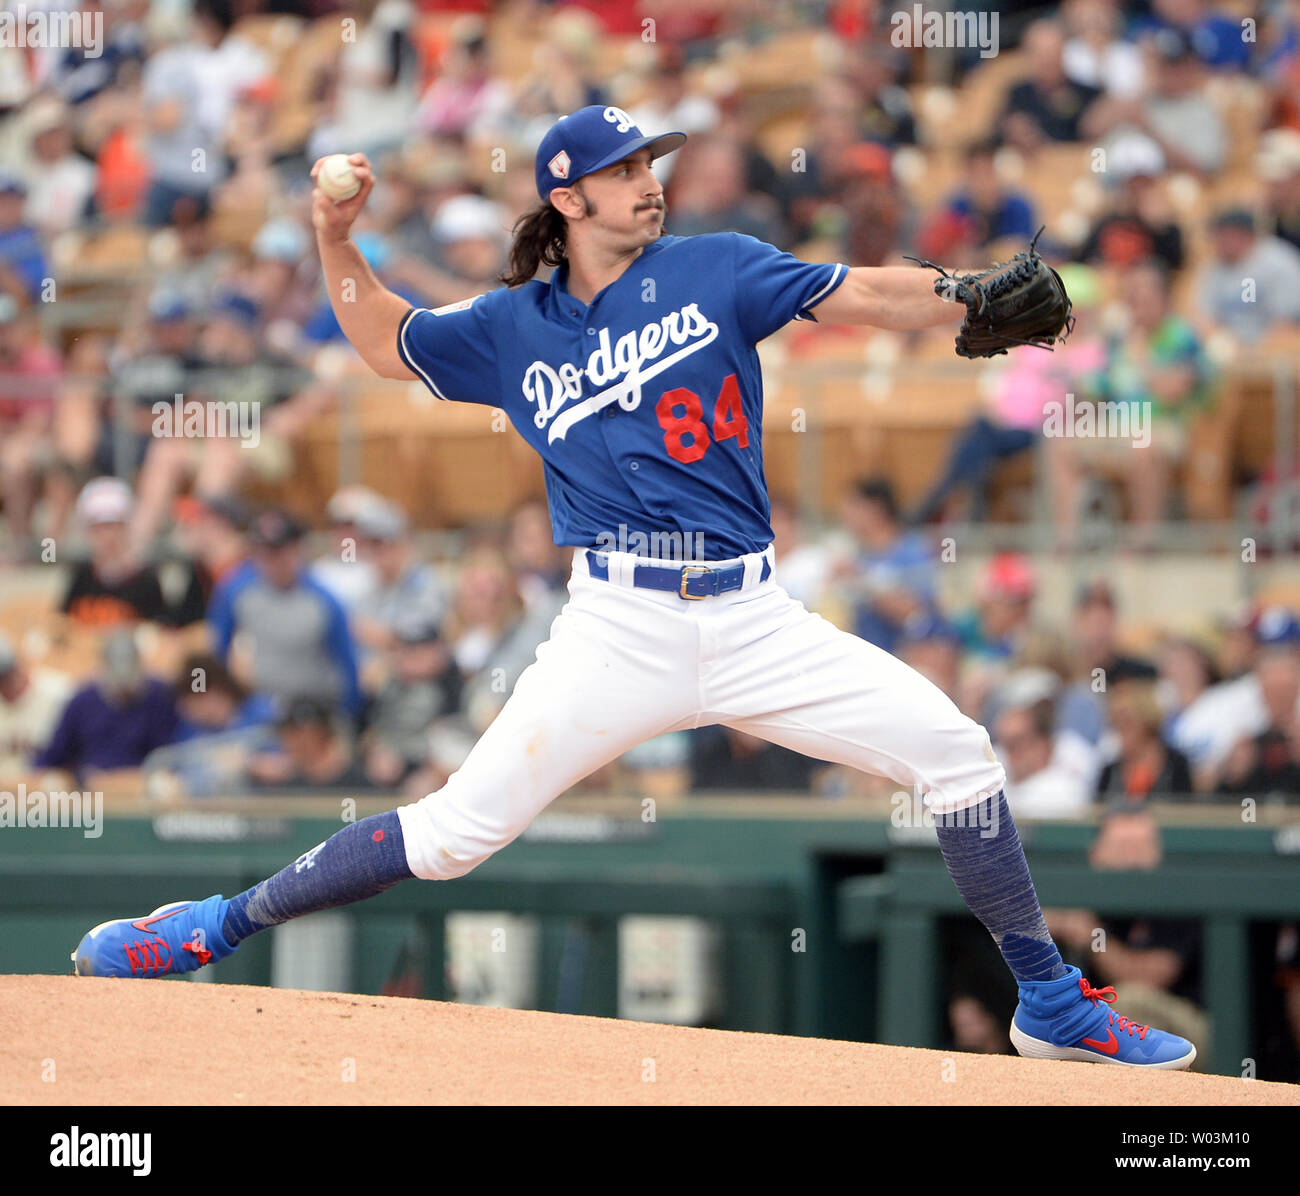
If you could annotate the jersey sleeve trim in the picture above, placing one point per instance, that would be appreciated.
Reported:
(404, 354)
(840, 273)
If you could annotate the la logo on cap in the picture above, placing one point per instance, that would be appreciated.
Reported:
(559, 165)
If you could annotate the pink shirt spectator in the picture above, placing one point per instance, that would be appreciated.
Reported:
(27, 383)
(1036, 378)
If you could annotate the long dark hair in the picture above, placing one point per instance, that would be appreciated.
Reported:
(539, 240)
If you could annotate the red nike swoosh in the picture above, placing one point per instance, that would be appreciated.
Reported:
(145, 923)
(1106, 1048)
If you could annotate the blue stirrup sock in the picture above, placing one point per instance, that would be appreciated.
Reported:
(981, 848)
(979, 844)
(360, 861)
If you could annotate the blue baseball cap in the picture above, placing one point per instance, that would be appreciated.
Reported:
(239, 308)
(1277, 626)
(167, 305)
(281, 241)
(591, 139)
(926, 625)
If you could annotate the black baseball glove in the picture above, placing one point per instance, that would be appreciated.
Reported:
(1020, 302)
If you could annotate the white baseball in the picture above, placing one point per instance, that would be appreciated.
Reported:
(337, 178)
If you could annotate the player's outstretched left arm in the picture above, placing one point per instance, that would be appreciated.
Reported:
(1018, 302)
(900, 298)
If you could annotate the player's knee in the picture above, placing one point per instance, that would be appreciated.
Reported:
(445, 841)
(969, 771)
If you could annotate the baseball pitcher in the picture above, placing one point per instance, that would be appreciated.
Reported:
(634, 374)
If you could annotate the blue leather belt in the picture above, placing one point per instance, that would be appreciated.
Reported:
(688, 581)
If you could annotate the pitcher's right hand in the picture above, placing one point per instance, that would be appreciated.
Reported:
(333, 218)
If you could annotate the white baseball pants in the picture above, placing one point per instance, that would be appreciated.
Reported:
(623, 665)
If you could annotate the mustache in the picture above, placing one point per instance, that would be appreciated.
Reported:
(657, 204)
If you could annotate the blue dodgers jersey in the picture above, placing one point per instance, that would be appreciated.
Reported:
(646, 406)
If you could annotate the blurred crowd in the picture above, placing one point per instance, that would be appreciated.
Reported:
(1077, 714)
(260, 655)
(249, 662)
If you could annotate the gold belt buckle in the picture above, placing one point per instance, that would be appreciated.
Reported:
(687, 570)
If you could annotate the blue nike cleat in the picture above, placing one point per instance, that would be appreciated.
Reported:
(176, 938)
(1069, 1019)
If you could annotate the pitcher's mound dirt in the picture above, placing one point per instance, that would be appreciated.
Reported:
(72, 1041)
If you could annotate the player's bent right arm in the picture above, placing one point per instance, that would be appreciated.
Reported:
(367, 311)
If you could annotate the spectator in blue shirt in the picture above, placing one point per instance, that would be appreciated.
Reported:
(1216, 37)
(115, 721)
(221, 726)
(297, 631)
(985, 209)
(891, 575)
(21, 252)
(211, 701)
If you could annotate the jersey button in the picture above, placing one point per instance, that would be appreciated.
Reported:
(634, 465)
(591, 332)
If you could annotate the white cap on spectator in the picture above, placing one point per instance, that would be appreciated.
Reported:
(1028, 686)
(281, 241)
(381, 520)
(49, 112)
(1136, 155)
(347, 504)
(466, 217)
(1279, 155)
(105, 500)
